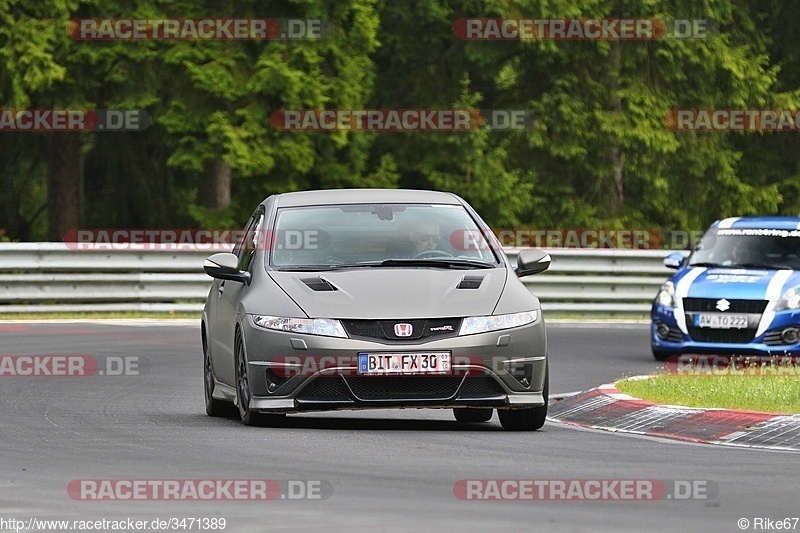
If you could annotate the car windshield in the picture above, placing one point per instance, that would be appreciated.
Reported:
(748, 248)
(379, 235)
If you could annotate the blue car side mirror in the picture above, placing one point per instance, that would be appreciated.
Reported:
(674, 260)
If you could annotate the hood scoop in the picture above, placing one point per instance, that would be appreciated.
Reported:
(319, 284)
(470, 282)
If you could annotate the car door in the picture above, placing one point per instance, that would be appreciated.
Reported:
(229, 294)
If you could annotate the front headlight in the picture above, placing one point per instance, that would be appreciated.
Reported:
(666, 296)
(311, 326)
(790, 300)
(482, 324)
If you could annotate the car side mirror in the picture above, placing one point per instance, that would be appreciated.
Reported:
(674, 260)
(226, 266)
(532, 261)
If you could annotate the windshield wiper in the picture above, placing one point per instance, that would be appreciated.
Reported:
(767, 266)
(437, 263)
(314, 268)
(705, 264)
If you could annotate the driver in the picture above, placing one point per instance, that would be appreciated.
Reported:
(424, 238)
(740, 254)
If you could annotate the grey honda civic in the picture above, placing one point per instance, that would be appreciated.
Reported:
(373, 298)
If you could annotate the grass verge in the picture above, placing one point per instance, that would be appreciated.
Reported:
(772, 394)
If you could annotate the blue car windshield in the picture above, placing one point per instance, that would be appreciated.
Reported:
(380, 235)
(748, 248)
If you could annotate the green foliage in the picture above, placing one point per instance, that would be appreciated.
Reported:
(599, 153)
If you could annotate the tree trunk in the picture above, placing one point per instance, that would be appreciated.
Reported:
(215, 187)
(64, 184)
(617, 192)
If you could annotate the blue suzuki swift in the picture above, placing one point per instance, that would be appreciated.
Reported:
(737, 293)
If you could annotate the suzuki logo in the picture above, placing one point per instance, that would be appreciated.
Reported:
(403, 329)
(723, 305)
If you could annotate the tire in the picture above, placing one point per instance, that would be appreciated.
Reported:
(464, 414)
(214, 407)
(658, 355)
(243, 393)
(526, 419)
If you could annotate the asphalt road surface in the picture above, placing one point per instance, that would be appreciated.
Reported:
(367, 470)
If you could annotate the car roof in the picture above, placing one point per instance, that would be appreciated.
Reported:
(786, 223)
(365, 196)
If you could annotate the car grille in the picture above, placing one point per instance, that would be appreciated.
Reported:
(331, 389)
(709, 305)
(483, 387)
(404, 387)
(732, 336)
(325, 389)
(430, 329)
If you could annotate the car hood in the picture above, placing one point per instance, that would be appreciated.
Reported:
(737, 283)
(393, 293)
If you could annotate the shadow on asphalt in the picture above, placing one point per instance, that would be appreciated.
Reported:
(367, 424)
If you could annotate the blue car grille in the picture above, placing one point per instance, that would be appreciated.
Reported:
(729, 336)
(709, 305)
(724, 336)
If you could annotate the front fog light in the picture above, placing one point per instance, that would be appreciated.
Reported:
(275, 379)
(662, 330)
(521, 371)
(790, 335)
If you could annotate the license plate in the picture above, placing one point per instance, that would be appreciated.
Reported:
(721, 321)
(403, 363)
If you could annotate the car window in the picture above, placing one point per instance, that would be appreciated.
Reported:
(355, 234)
(251, 238)
(735, 246)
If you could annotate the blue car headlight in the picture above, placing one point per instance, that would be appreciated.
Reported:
(312, 326)
(790, 300)
(483, 324)
(666, 296)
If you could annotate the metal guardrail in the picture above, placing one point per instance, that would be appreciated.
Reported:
(49, 277)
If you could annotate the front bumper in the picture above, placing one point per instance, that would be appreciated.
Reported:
(679, 342)
(503, 369)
